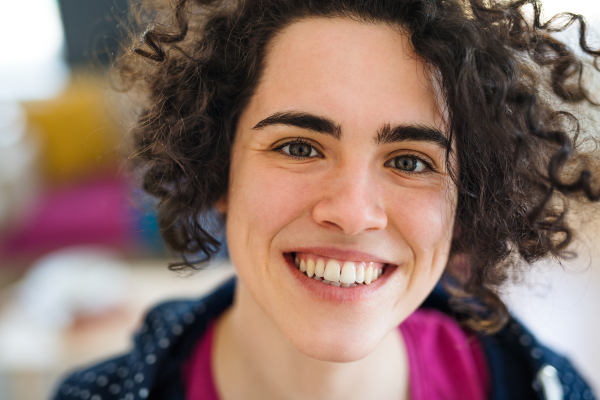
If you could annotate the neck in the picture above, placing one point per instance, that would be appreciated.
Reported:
(252, 359)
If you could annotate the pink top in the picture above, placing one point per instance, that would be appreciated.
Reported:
(445, 362)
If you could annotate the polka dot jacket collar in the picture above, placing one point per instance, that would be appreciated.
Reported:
(520, 367)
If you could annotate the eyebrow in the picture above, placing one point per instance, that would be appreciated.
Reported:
(302, 120)
(387, 134)
(402, 133)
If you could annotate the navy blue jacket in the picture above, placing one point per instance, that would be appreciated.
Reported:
(520, 367)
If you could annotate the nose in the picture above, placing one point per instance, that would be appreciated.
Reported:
(350, 202)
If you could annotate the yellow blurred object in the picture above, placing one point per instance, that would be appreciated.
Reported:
(79, 137)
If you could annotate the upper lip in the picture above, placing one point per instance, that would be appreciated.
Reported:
(341, 254)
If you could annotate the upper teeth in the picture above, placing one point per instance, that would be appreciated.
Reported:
(338, 273)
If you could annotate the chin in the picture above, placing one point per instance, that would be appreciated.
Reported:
(334, 352)
(336, 341)
(341, 355)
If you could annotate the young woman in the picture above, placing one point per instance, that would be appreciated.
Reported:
(359, 152)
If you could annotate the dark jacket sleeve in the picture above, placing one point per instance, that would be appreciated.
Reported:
(112, 379)
(152, 369)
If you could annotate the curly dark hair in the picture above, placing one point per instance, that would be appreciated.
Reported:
(507, 84)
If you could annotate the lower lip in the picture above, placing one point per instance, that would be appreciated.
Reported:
(338, 294)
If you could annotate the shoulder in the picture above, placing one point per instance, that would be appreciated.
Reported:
(515, 355)
(520, 366)
(161, 345)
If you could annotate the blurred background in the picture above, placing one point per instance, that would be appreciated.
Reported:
(80, 254)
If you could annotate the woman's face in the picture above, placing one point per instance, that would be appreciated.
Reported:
(340, 156)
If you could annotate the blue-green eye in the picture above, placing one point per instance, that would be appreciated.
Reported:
(300, 149)
(408, 163)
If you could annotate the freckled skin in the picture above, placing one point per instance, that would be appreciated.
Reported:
(360, 76)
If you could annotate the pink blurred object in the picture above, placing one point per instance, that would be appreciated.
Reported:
(92, 212)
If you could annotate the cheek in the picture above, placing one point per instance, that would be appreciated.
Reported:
(266, 197)
(422, 225)
(272, 197)
(424, 218)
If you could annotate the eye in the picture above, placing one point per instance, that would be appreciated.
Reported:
(299, 149)
(409, 163)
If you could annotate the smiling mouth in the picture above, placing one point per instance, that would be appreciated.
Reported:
(338, 273)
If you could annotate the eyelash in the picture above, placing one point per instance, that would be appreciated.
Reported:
(416, 157)
(279, 148)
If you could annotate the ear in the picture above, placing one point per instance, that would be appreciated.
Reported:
(221, 204)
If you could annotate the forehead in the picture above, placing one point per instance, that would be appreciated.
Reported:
(359, 74)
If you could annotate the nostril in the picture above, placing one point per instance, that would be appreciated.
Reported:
(350, 216)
